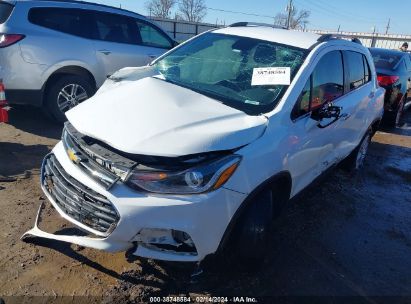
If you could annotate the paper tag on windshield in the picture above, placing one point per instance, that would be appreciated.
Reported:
(271, 76)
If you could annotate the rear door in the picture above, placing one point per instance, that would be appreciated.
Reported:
(359, 93)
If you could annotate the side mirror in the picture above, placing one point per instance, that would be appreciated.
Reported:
(326, 115)
(327, 110)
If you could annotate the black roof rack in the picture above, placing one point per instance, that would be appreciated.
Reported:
(238, 24)
(328, 37)
(95, 4)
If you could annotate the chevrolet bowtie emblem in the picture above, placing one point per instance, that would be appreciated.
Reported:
(73, 156)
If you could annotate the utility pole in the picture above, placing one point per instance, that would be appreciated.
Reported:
(290, 9)
(338, 30)
(388, 26)
(373, 40)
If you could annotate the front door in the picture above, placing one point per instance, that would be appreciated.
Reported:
(315, 140)
(123, 41)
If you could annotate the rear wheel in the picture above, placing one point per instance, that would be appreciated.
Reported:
(65, 93)
(355, 161)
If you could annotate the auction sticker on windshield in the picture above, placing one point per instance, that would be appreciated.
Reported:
(271, 76)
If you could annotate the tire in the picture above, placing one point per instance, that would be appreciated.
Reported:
(398, 119)
(65, 93)
(250, 238)
(355, 161)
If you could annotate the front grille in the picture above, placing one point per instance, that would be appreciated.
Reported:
(76, 200)
(102, 165)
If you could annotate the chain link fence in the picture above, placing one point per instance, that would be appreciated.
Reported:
(183, 30)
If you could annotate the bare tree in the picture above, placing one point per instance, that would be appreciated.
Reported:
(193, 10)
(298, 19)
(160, 8)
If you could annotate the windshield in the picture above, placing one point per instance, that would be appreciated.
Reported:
(248, 74)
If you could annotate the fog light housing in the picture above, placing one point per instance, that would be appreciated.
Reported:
(172, 241)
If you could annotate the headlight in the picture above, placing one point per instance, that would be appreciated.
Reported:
(203, 178)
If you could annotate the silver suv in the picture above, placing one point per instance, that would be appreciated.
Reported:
(56, 54)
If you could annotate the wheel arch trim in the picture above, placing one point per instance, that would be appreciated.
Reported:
(71, 69)
(283, 177)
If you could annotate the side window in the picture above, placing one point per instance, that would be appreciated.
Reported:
(327, 79)
(114, 28)
(150, 36)
(356, 69)
(367, 70)
(70, 21)
(325, 84)
(303, 103)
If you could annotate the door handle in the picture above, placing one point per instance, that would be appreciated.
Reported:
(345, 116)
(152, 56)
(105, 52)
(372, 94)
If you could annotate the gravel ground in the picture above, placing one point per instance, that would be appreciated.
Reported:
(347, 237)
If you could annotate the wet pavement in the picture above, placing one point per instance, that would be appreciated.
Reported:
(350, 236)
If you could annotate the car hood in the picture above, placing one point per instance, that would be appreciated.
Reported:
(150, 116)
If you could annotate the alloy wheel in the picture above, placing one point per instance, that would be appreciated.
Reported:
(70, 96)
(362, 152)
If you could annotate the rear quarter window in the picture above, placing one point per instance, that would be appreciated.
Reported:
(5, 11)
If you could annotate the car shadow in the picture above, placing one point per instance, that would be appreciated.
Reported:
(34, 121)
(65, 249)
(19, 160)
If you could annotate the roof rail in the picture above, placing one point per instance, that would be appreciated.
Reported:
(328, 37)
(238, 24)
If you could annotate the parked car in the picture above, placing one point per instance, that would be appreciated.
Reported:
(200, 150)
(56, 54)
(394, 74)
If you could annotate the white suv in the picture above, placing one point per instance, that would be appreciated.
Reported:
(56, 53)
(201, 150)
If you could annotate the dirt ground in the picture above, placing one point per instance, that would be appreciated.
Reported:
(348, 237)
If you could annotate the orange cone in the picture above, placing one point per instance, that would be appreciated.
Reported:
(4, 115)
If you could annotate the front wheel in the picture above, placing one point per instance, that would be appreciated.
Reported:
(65, 93)
(251, 235)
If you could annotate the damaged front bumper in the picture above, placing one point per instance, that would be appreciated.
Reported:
(164, 227)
